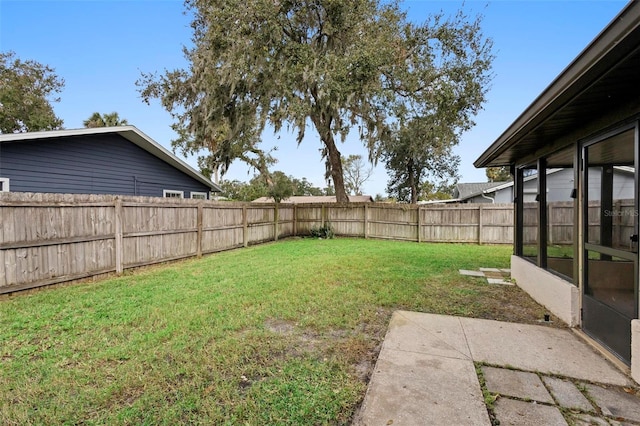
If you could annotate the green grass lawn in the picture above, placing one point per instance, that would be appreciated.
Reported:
(282, 333)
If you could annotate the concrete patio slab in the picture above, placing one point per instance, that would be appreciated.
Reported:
(425, 374)
(519, 384)
(567, 394)
(589, 420)
(434, 335)
(410, 388)
(538, 348)
(615, 402)
(519, 413)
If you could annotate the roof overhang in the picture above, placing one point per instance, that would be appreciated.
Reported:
(131, 133)
(602, 77)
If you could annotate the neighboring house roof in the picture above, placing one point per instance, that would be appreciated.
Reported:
(304, 199)
(131, 133)
(463, 191)
(601, 78)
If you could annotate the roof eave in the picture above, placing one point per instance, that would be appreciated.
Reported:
(132, 134)
(577, 76)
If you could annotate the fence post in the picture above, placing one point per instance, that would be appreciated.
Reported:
(419, 221)
(295, 220)
(480, 224)
(199, 214)
(275, 222)
(245, 227)
(366, 221)
(118, 235)
(322, 213)
(550, 223)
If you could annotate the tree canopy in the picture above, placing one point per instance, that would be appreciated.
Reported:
(337, 65)
(420, 156)
(27, 89)
(105, 120)
(498, 174)
(284, 187)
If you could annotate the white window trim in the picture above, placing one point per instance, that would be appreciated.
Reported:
(167, 193)
(199, 195)
(4, 184)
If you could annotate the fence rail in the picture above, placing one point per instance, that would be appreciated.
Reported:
(51, 238)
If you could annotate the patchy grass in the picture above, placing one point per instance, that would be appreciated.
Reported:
(283, 333)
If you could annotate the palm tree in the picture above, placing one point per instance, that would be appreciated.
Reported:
(104, 120)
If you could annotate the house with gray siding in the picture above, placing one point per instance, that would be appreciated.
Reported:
(109, 160)
(560, 187)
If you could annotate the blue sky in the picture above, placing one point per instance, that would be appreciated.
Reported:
(100, 48)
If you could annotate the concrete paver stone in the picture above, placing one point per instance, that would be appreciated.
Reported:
(471, 273)
(588, 420)
(615, 402)
(567, 394)
(519, 384)
(519, 413)
(498, 281)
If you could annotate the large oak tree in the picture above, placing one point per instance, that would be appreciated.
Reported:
(335, 65)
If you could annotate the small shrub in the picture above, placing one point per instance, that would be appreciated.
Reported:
(325, 231)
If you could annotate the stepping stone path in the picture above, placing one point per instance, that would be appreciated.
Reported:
(492, 275)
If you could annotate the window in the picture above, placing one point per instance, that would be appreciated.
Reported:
(168, 193)
(4, 184)
(199, 195)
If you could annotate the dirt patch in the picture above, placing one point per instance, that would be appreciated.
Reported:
(280, 326)
(360, 346)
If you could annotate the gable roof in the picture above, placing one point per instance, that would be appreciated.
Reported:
(131, 133)
(601, 78)
(306, 199)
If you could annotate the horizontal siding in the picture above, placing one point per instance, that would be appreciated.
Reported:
(95, 164)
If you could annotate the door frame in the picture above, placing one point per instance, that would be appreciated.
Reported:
(615, 319)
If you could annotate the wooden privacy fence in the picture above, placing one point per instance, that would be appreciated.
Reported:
(51, 238)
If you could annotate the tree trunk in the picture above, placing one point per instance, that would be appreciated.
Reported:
(322, 121)
(336, 169)
(412, 182)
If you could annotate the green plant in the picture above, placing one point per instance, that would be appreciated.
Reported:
(325, 231)
(489, 397)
